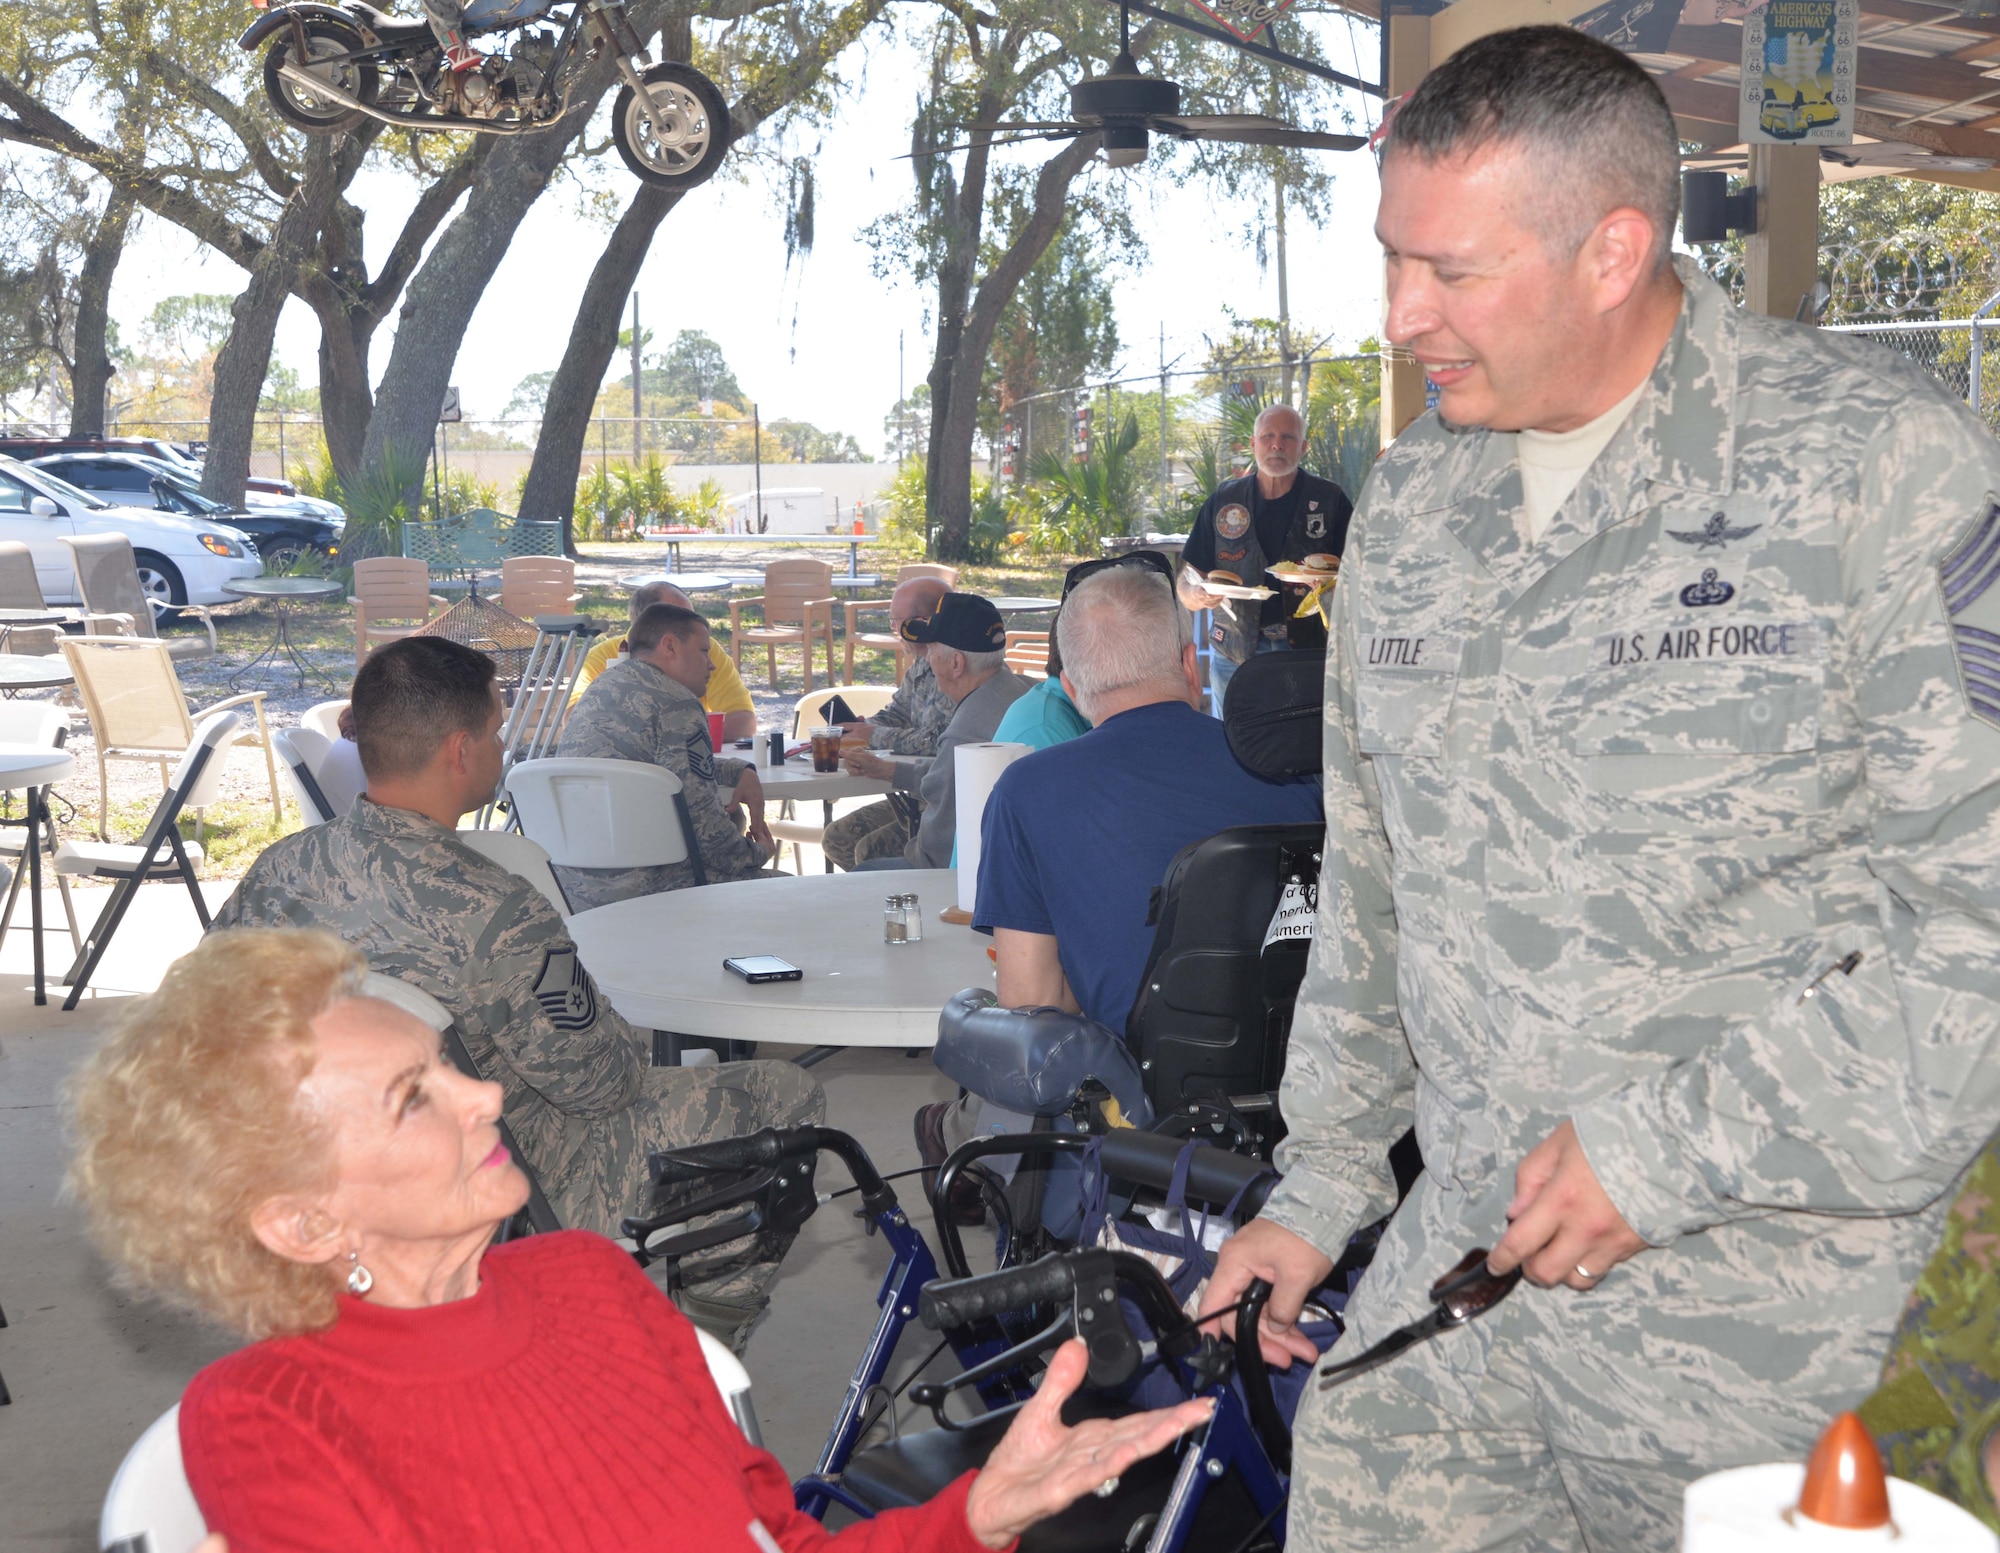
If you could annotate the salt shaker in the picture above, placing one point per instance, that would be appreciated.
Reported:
(913, 920)
(892, 920)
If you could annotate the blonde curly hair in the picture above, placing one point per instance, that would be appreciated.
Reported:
(188, 1118)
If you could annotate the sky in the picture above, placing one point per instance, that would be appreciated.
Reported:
(820, 342)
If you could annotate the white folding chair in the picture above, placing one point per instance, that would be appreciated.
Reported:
(160, 852)
(33, 722)
(590, 813)
(299, 751)
(149, 1507)
(323, 718)
(519, 856)
(733, 1381)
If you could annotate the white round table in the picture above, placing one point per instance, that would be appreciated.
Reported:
(26, 671)
(659, 959)
(34, 767)
(797, 780)
(689, 583)
(1009, 604)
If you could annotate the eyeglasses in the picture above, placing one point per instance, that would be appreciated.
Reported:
(1150, 560)
(1470, 1289)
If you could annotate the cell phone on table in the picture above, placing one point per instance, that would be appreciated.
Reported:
(754, 968)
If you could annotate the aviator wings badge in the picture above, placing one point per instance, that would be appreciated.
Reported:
(1716, 532)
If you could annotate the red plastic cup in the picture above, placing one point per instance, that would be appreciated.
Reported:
(715, 731)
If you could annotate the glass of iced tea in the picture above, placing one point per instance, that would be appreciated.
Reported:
(826, 749)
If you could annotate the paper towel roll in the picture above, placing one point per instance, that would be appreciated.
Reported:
(976, 767)
(1748, 1510)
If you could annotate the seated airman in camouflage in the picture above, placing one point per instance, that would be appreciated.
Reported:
(392, 878)
(911, 724)
(647, 706)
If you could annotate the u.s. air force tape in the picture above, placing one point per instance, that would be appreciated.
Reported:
(1743, 641)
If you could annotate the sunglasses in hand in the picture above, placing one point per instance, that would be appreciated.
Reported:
(1470, 1289)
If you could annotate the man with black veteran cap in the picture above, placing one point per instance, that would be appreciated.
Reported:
(966, 644)
(1662, 879)
(1277, 512)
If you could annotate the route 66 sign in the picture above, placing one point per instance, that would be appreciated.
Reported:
(1245, 18)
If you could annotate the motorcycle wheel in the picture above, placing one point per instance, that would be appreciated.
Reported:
(699, 120)
(297, 105)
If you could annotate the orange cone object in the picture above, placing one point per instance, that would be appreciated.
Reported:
(1844, 1484)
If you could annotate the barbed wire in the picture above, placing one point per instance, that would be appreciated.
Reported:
(1909, 276)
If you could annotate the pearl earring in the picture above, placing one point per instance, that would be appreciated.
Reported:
(359, 1279)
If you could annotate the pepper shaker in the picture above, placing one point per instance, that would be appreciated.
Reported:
(893, 931)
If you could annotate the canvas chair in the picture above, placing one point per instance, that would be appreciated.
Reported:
(797, 606)
(160, 853)
(20, 588)
(392, 599)
(855, 637)
(786, 828)
(137, 711)
(107, 580)
(1028, 653)
(532, 585)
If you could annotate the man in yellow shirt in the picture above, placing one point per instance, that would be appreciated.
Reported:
(725, 694)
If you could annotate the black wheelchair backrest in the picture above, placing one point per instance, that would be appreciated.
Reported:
(1273, 713)
(1214, 1009)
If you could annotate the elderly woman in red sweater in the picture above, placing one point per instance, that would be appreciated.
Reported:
(263, 1143)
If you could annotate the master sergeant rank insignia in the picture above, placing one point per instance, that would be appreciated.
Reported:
(1967, 575)
(565, 993)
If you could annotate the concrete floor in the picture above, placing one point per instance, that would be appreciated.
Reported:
(90, 1366)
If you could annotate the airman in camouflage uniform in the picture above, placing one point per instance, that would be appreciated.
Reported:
(1938, 1408)
(1675, 825)
(634, 711)
(582, 1102)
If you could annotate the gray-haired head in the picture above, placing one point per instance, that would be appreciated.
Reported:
(646, 595)
(1596, 131)
(1122, 629)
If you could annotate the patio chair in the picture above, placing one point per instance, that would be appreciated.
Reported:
(532, 585)
(527, 859)
(33, 722)
(20, 588)
(149, 1507)
(1028, 653)
(107, 580)
(797, 606)
(589, 813)
(392, 599)
(786, 828)
(137, 711)
(160, 853)
(948, 575)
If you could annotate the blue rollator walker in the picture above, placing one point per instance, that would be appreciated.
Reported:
(1223, 1488)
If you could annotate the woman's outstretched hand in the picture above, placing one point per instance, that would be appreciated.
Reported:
(1041, 1465)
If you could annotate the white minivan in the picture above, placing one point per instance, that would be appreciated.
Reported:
(181, 560)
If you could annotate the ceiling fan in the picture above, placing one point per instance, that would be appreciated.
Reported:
(1128, 109)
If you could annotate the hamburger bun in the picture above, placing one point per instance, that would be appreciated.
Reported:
(1230, 578)
(1321, 563)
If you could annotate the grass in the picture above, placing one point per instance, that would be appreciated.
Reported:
(234, 831)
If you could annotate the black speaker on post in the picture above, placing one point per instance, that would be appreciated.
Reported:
(1709, 212)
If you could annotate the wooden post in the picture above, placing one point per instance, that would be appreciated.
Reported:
(1782, 257)
(1406, 60)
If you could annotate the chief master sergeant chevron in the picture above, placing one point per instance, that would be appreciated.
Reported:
(1662, 886)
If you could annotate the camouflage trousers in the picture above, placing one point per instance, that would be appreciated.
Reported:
(1379, 1466)
(727, 1287)
(878, 830)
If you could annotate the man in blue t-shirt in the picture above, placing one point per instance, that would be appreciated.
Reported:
(1076, 837)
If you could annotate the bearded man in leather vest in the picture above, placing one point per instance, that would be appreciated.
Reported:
(1275, 513)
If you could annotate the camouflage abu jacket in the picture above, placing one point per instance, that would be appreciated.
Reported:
(429, 910)
(1601, 809)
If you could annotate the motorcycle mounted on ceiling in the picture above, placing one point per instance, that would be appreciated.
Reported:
(330, 66)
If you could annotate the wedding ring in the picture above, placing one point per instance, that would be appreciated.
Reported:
(1106, 1489)
(1584, 1272)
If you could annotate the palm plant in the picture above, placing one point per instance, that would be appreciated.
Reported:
(1084, 502)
